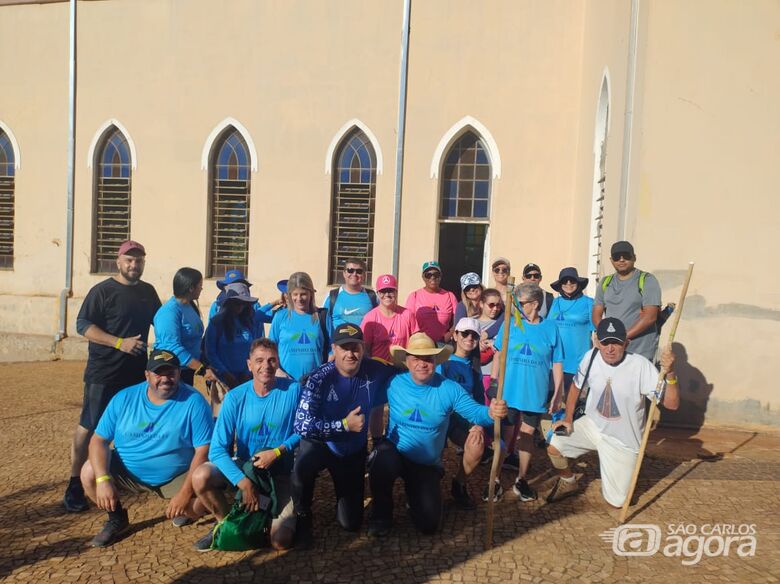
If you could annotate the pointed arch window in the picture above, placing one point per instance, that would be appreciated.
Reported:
(465, 184)
(112, 191)
(228, 247)
(7, 171)
(352, 205)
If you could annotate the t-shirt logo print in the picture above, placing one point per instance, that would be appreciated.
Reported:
(304, 339)
(332, 395)
(146, 426)
(607, 405)
(524, 348)
(415, 414)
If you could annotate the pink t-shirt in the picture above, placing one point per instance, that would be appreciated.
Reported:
(381, 332)
(434, 312)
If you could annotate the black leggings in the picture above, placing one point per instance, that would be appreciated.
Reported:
(348, 480)
(422, 487)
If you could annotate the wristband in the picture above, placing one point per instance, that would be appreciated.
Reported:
(102, 479)
(118, 342)
(277, 452)
(671, 381)
(346, 425)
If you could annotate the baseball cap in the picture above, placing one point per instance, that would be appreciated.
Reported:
(468, 324)
(386, 282)
(431, 265)
(232, 276)
(238, 291)
(130, 245)
(498, 261)
(621, 247)
(611, 329)
(161, 358)
(531, 268)
(347, 333)
(470, 279)
(281, 285)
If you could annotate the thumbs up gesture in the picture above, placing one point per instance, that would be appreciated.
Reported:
(355, 420)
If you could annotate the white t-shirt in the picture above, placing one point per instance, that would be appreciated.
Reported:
(616, 402)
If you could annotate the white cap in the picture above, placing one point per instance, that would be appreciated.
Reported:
(468, 324)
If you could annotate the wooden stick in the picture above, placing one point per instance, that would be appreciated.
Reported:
(508, 304)
(653, 401)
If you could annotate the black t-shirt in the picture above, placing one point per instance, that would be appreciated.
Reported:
(122, 311)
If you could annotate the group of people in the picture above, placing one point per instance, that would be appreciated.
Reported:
(310, 395)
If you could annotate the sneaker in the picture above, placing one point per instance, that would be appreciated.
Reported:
(522, 490)
(460, 492)
(487, 456)
(562, 489)
(497, 493)
(74, 500)
(112, 531)
(304, 538)
(512, 462)
(181, 521)
(379, 527)
(204, 543)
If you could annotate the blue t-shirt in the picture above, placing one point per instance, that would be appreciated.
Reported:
(532, 351)
(256, 423)
(350, 307)
(156, 443)
(229, 355)
(573, 319)
(461, 371)
(420, 415)
(327, 397)
(300, 341)
(178, 329)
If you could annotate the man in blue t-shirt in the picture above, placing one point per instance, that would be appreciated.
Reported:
(161, 430)
(331, 419)
(420, 403)
(351, 302)
(258, 417)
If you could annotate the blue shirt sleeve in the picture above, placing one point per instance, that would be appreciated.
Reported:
(212, 347)
(465, 405)
(221, 450)
(276, 325)
(557, 347)
(167, 330)
(264, 313)
(308, 422)
(201, 421)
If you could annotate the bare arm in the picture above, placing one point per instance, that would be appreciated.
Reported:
(671, 399)
(647, 318)
(179, 502)
(106, 495)
(557, 371)
(597, 314)
(131, 345)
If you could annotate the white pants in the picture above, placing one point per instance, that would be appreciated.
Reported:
(615, 460)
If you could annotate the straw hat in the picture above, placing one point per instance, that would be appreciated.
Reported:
(420, 345)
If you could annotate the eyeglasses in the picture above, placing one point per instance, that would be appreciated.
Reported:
(468, 289)
(524, 302)
(500, 270)
(568, 281)
(432, 275)
(493, 304)
(534, 276)
(622, 256)
(472, 334)
(358, 271)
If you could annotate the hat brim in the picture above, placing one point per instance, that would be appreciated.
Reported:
(247, 299)
(583, 283)
(440, 354)
(612, 338)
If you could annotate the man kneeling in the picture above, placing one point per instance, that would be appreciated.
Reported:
(421, 403)
(161, 430)
(614, 417)
(259, 415)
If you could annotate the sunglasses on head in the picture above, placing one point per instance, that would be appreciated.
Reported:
(472, 334)
(622, 256)
(431, 275)
(500, 270)
(358, 271)
(534, 276)
(493, 304)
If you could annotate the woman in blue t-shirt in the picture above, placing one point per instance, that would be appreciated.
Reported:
(299, 330)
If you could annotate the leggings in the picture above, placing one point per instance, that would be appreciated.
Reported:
(422, 487)
(347, 473)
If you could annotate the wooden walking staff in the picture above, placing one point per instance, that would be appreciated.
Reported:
(654, 401)
(497, 423)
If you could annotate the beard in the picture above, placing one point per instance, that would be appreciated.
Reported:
(132, 276)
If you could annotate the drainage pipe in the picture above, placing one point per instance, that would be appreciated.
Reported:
(399, 149)
(628, 126)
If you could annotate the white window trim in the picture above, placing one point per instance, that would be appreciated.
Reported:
(217, 131)
(463, 125)
(339, 136)
(99, 135)
(14, 144)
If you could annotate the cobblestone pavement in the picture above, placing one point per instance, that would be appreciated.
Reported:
(716, 476)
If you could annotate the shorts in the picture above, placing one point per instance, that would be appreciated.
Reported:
(458, 429)
(96, 398)
(515, 416)
(616, 462)
(124, 479)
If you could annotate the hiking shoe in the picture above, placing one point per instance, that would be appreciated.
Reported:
(460, 493)
(487, 456)
(497, 493)
(304, 538)
(379, 527)
(74, 500)
(522, 490)
(112, 531)
(562, 489)
(512, 462)
(204, 543)
(181, 521)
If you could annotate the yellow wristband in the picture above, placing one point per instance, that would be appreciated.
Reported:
(118, 342)
(277, 452)
(671, 381)
(102, 479)
(346, 425)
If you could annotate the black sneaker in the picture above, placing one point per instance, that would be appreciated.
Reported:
(460, 493)
(304, 538)
(182, 521)
(522, 490)
(487, 456)
(74, 500)
(379, 527)
(112, 531)
(512, 462)
(497, 493)
(204, 543)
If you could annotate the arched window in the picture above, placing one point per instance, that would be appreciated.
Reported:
(599, 187)
(352, 205)
(228, 246)
(465, 185)
(7, 163)
(112, 188)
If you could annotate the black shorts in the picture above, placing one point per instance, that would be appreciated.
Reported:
(96, 398)
(458, 429)
(516, 416)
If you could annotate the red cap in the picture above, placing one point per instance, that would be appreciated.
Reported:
(386, 281)
(130, 245)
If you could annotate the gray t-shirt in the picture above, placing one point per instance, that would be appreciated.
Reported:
(623, 300)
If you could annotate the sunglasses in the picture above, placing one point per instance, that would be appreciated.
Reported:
(500, 270)
(468, 289)
(524, 302)
(622, 256)
(493, 304)
(358, 271)
(534, 276)
(432, 275)
(467, 334)
(387, 291)
(568, 281)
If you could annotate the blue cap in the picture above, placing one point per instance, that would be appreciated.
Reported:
(281, 285)
(232, 276)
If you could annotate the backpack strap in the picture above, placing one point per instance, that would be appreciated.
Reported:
(322, 315)
(372, 297)
(593, 354)
(605, 282)
(332, 296)
(642, 276)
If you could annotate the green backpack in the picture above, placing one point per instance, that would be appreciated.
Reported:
(243, 530)
(663, 312)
